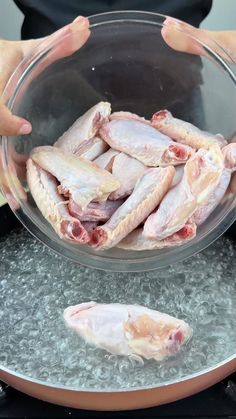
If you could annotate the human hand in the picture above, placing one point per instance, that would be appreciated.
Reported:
(223, 42)
(12, 53)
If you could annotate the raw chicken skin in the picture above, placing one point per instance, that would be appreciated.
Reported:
(92, 149)
(84, 128)
(184, 132)
(214, 198)
(147, 194)
(229, 153)
(128, 329)
(137, 242)
(105, 161)
(43, 187)
(127, 171)
(203, 172)
(179, 172)
(82, 180)
(144, 143)
(95, 211)
(127, 115)
(203, 212)
(201, 175)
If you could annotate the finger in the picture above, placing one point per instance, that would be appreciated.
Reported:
(72, 37)
(63, 42)
(5, 175)
(10, 56)
(227, 41)
(176, 34)
(184, 37)
(12, 125)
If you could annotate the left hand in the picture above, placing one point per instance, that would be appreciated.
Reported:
(223, 42)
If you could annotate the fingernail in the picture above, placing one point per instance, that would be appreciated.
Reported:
(79, 23)
(78, 19)
(25, 129)
(172, 21)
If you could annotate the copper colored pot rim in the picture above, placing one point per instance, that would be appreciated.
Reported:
(122, 400)
(230, 360)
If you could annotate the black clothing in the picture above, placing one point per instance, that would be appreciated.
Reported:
(42, 17)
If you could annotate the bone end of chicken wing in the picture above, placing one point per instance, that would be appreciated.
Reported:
(43, 187)
(176, 154)
(73, 230)
(128, 329)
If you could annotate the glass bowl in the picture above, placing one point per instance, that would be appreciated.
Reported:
(125, 62)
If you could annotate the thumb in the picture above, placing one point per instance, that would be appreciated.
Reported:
(184, 37)
(12, 125)
(15, 52)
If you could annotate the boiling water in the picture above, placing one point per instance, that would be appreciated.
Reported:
(36, 286)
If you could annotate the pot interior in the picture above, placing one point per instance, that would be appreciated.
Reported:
(37, 285)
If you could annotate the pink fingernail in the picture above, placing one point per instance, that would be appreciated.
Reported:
(79, 23)
(25, 129)
(172, 21)
(78, 19)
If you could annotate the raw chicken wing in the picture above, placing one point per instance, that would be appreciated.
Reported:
(128, 329)
(92, 149)
(84, 128)
(210, 203)
(203, 212)
(105, 161)
(184, 132)
(82, 180)
(201, 175)
(147, 194)
(95, 211)
(43, 187)
(136, 240)
(127, 171)
(144, 142)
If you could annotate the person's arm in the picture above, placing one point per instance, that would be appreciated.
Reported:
(12, 53)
